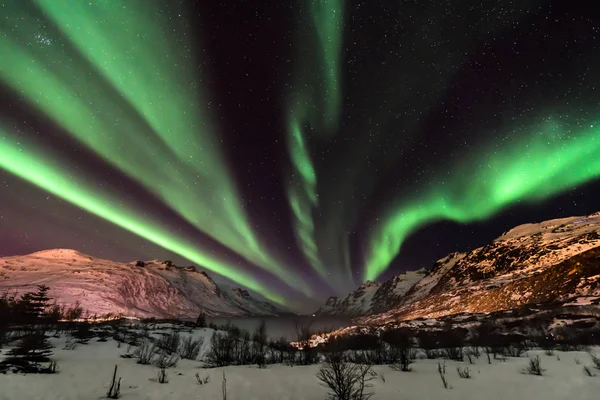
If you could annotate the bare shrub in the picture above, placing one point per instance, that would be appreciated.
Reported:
(162, 376)
(221, 350)
(114, 391)
(534, 367)
(224, 387)
(464, 372)
(308, 354)
(190, 348)
(345, 380)
(514, 351)
(595, 360)
(169, 342)
(260, 340)
(70, 344)
(432, 354)
(468, 352)
(453, 353)
(200, 380)
(442, 372)
(404, 360)
(164, 360)
(488, 352)
(281, 349)
(146, 352)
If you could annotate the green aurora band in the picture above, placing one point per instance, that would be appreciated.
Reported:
(177, 157)
(47, 173)
(315, 104)
(553, 158)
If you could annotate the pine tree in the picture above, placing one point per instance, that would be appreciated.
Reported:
(32, 350)
(31, 307)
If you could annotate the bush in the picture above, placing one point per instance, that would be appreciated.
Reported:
(432, 354)
(534, 367)
(404, 360)
(200, 380)
(164, 360)
(464, 373)
(70, 344)
(281, 350)
(169, 342)
(346, 381)
(162, 376)
(221, 350)
(190, 348)
(307, 355)
(514, 350)
(146, 352)
(453, 353)
(83, 334)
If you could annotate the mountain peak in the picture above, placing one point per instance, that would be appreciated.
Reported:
(370, 284)
(59, 254)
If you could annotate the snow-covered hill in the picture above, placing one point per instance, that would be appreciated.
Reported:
(533, 263)
(156, 289)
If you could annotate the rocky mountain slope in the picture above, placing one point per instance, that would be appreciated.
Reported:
(555, 260)
(149, 289)
(372, 297)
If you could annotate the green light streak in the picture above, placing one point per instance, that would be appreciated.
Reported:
(328, 19)
(48, 174)
(551, 159)
(303, 197)
(315, 101)
(169, 146)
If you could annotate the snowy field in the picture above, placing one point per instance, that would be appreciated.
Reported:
(85, 373)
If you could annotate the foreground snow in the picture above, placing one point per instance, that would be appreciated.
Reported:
(85, 373)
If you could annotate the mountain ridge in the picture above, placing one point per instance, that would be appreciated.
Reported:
(531, 263)
(136, 289)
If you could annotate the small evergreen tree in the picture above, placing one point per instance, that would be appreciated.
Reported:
(32, 350)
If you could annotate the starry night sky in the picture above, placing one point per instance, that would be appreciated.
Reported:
(333, 130)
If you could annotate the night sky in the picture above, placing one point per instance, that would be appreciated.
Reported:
(299, 147)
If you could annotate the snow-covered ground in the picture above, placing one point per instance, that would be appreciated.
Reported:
(85, 373)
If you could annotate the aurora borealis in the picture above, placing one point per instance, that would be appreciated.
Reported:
(294, 149)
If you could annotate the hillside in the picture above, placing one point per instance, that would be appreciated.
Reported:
(156, 289)
(551, 261)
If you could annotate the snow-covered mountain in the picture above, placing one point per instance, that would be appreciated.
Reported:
(550, 261)
(372, 297)
(148, 289)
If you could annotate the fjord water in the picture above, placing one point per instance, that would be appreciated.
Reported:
(286, 327)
